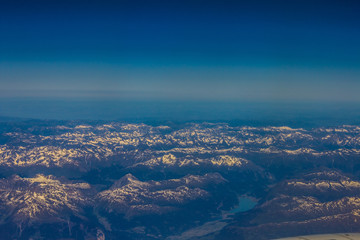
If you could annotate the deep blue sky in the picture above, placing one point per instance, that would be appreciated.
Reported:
(181, 50)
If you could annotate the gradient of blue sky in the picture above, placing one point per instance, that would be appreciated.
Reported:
(197, 50)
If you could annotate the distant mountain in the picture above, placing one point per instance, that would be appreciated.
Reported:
(98, 179)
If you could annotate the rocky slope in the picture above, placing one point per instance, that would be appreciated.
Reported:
(318, 202)
(133, 197)
(28, 202)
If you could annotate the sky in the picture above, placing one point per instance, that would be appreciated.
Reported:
(300, 51)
